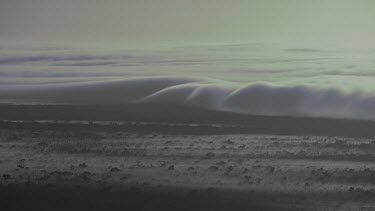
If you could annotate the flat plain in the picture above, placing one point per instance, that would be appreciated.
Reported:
(127, 165)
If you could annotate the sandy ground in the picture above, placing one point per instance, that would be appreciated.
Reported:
(126, 170)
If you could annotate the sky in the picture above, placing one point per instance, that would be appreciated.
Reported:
(202, 21)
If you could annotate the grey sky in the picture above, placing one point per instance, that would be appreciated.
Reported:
(193, 20)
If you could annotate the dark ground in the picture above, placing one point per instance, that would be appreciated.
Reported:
(307, 164)
(163, 198)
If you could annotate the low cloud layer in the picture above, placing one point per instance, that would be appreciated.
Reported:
(258, 99)
(244, 78)
(44, 58)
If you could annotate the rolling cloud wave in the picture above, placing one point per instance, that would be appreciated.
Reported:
(257, 99)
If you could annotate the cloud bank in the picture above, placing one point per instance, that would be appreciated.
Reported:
(257, 99)
(261, 79)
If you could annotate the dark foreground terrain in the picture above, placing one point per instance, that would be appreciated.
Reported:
(122, 163)
(163, 198)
